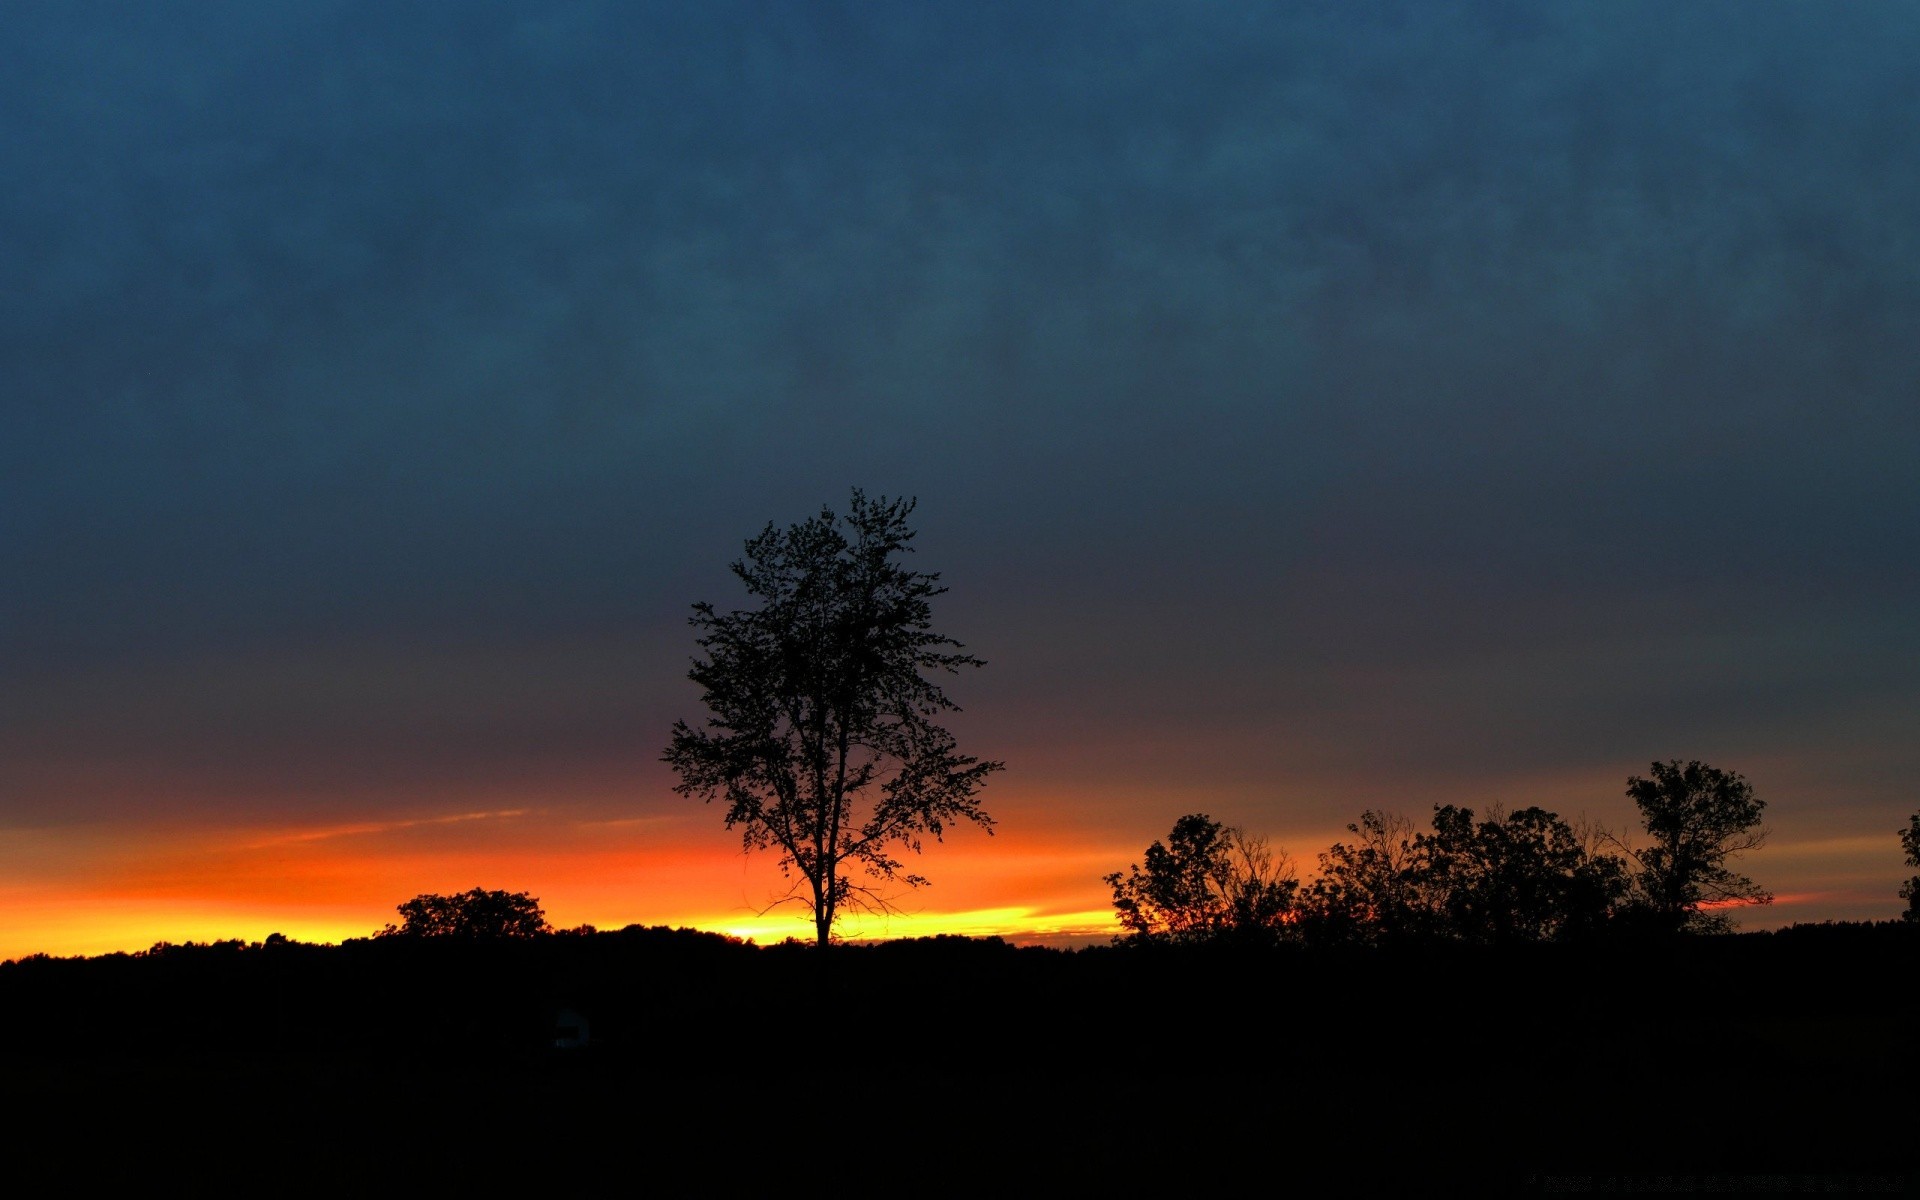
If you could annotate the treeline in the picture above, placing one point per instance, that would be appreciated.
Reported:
(1498, 878)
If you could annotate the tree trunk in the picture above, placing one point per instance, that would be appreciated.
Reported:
(822, 912)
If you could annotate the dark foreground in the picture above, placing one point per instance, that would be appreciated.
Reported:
(1776, 1061)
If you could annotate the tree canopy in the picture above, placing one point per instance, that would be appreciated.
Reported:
(1521, 876)
(1371, 890)
(1208, 881)
(1700, 819)
(1500, 878)
(477, 915)
(822, 738)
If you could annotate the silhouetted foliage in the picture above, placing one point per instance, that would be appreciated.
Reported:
(1373, 890)
(1699, 818)
(473, 915)
(1910, 890)
(1207, 882)
(820, 699)
(1524, 876)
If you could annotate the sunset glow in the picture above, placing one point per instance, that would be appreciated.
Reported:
(327, 883)
(331, 882)
(1308, 413)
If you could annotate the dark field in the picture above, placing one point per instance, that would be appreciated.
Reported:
(949, 1066)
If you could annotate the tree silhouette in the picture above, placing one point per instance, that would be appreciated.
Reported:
(1516, 877)
(1207, 882)
(1910, 890)
(1523, 876)
(477, 915)
(820, 699)
(1373, 890)
(1699, 818)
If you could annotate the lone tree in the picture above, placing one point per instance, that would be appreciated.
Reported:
(1207, 882)
(1699, 818)
(1910, 890)
(477, 915)
(822, 739)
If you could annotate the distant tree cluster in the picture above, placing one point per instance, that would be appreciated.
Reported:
(1208, 881)
(1524, 876)
(476, 915)
(1495, 879)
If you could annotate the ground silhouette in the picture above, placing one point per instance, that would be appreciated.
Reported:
(1482, 1066)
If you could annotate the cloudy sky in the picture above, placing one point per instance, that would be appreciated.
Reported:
(1312, 407)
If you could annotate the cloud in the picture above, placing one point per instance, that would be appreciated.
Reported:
(1380, 383)
(378, 829)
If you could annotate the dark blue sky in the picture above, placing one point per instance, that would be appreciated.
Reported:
(1311, 406)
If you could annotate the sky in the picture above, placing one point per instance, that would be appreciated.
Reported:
(1311, 408)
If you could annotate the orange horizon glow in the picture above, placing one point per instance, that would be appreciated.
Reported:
(327, 883)
(90, 929)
